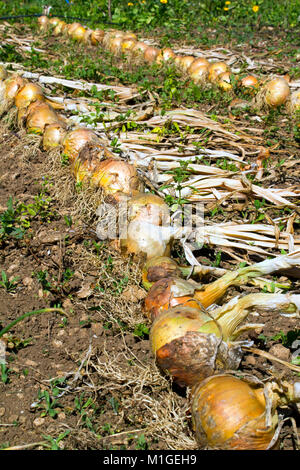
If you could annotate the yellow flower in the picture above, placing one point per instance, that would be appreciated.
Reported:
(227, 3)
(163, 1)
(255, 8)
(226, 8)
(130, 4)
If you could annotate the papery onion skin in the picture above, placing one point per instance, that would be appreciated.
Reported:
(295, 101)
(199, 62)
(165, 55)
(76, 139)
(79, 33)
(88, 161)
(151, 54)
(158, 268)
(54, 21)
(160, 297)
(224, 81)
(185, 62)
(277, 91)
(116, 178)
(187, 346)
(249, 83)
(72, 27)
(215, 69)
(39, 115)
(115, 45)
(199, 74)
(53, 136)
(8, 91)
(150, 208)
(97, 37)
(230, 414)
(127, 44)
(28, 94)
(43, 22)
(139, 48)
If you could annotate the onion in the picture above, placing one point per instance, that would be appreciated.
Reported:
(148, 231)
(28, 94)
(115, 45)
(250, 83)
(78, 34)
(198, 74)
(8, 90)
(169, 292)
(188, 346)
(54, 21)
(224, 82)
(43, 22)
(151, 54)
(72, 27)
(215, 69)
(76, 139)
(39, 115)
(185, 62)
(229, 413)
(165, 55)
(127, 44)
(150, 208)
(277, 91)
(139, 48)
(97, 37)
(53, 135)
(116, 178)
(130, 36)
(198, 63)
(158, 268)
(59, 28)
(295, 102)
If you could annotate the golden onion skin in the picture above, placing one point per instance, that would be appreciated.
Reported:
(165, 55)
(8, 91)
(185, 62)
(160, 297)
(249, 84)
(186, 344)
(215, 69)
(39, 115)
(200, 62)
(148, 207)
(277, 91)
(224, 81)
(230, 414)
(158, 268)
(97, 37)
(53, 136)
(43, 22)
(28, 94)
(151, 54)
(76, 139)
(199, 74)
(116, 178)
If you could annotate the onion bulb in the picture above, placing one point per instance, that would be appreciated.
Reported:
(72, 27)
(115, 45)
(295, 102)
(277, 91)
(151, 54)
(43, 22)
(198, 74)
(185, 62)
(130, 36)
(53, 135)
(215, 69)
(78, 34)
(76, 139)
(97, 37)
(229, 413)
(148, 232)
(39, 115)
(165, 55)
(169, 292)
(198, 63)
(158, 268)
(127, 44)
(28, 94)
(139, 48)
(8, 90)
(249, 83)
(116, 178)
(59, 28)
(54, 21)
(187, 345)
(224, 81)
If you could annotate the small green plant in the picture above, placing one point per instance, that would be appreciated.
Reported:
(48, 404)
(54, 441)
(9, 285)
(141, 330)
(4, 373)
